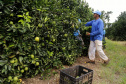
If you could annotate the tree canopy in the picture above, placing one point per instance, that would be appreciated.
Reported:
(117, 30)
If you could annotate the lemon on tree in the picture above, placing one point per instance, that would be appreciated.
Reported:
(33, 61)
(54, 22)
(15, 60)
(54, 40)
(32, 56)
(39, 25)
(37, 39)
(37, 63)
(10, 78)
(15, 79)
(21, 66)
(22, 71)
(26, 68)
(65, 35)
(12, 61)
(11, 22)
(11, 14)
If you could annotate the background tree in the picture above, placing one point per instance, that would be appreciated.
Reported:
(105, 16)
(117, 31)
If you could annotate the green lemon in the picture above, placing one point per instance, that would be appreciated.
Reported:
(37, 63)
(39, 25)
(21, 66)
(11, 22)
(15, 60)
(22, 71)
(26, 68)
(65, 35)
(12, 61)
(54, 40)
(11, 14)
(15, 79)
(54, 22)
(77, 77)
(9, 78)
(37, 39)
(32, 56)
(33, 61)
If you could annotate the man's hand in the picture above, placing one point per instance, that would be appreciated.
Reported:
(87, 33)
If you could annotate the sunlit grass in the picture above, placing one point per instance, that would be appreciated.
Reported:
(115, 70)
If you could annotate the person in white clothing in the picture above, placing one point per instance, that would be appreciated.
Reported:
(96, 37)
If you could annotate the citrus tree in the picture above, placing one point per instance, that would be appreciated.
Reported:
(36, 35)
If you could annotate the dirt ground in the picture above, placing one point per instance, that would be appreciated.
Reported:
(80, 61)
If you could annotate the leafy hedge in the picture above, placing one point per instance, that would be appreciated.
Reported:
(36, 35)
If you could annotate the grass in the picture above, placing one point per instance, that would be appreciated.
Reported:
(115, 71)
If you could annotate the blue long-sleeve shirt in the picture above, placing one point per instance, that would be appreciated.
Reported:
(96, 30)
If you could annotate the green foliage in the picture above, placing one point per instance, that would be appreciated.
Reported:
(105, 16)
(117, 30)
(49, 20)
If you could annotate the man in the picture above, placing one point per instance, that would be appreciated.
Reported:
(96, 37)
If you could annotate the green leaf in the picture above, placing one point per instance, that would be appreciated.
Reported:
(39, 9)
(3, 70)
(9, 67)
(29, 17)
(18, 68)
(19, 16)
(22, 21)
(27, 13)
(2, 62)
(28, 25)
(15, 64)
(20, 59)
(1, 36)
(36, 72)
(5, 67)
(50, 43)
(12, 45)
(28, 20)
(1, 43)
(46, 19)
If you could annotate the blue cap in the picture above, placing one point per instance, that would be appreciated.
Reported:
(97, 12)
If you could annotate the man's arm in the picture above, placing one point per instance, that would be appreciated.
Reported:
(100, 29)
(89, 23)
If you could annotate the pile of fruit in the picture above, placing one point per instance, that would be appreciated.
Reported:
(36, 35)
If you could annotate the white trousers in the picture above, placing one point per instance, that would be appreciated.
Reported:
(96, 45)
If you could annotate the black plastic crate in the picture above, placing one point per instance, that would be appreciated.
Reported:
(76, 75)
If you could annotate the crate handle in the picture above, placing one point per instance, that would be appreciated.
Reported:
(85, 70)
